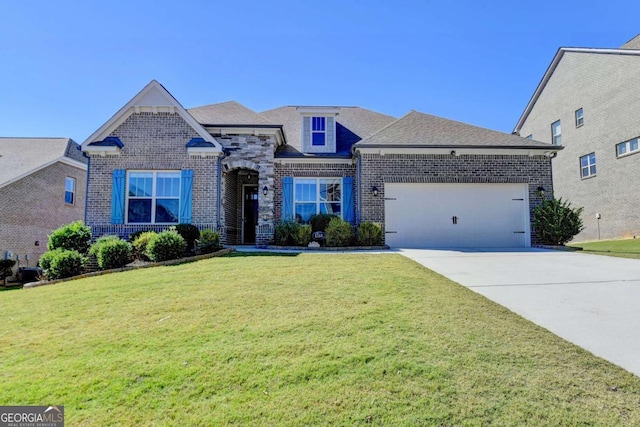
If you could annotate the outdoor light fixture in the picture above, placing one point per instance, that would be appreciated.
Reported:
(453, 152)
(374, 190)
(265, 189)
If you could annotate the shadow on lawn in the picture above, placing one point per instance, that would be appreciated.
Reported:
(237, 254)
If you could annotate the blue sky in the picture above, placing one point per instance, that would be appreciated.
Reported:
(67, 66)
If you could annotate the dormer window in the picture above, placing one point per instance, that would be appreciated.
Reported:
(318, 131)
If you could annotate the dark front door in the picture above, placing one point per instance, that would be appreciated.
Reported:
(250, 214)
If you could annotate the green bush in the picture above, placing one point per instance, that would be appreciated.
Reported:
(133, 236)
(286, 232)
(556, 222)
(165, 246)
(339, 233)
(60, 263)
(303, 235)
(209, 241)
(6, 267)
(74, 237)
(189, 233)
(95, 248)
(319, 222)
(112, 253)
(140, 244)
(369, 234)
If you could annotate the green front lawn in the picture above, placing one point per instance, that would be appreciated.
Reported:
(628, 248)
(313, 339)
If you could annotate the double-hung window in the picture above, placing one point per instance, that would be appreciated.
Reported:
(588, 165)
(69, 190)
(627, 147)
(317, 195)
(318, 130)
(579, 117)
(153, 197)
(556, 133)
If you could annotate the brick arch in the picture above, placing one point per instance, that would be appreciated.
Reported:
(241, 164)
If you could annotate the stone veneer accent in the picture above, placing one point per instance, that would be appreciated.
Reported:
(439, 168)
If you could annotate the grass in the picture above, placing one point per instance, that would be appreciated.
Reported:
(314, 339)
(627, 248)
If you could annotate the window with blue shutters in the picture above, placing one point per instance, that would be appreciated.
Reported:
(158, 197)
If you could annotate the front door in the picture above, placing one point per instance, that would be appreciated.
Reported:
(249, 213)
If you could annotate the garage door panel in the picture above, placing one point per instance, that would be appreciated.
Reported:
(486, 215)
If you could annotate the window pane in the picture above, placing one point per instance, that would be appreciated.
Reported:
(583, 161)
(592, 170)
(69, 184)
(167, 185)
(304, 211)
(592, 159)
(140, 184)
(330, 190)
(167, 210)
(330, 208)
(306, 190)
(622, 148)
(68, 197)
(633, 144)
(318, 138)
(318, 123)
(139, 210)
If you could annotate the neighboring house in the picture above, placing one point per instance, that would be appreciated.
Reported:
(588, 102)
(428, 181)
(42, 186)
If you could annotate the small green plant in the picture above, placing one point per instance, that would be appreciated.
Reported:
(165, 246)
(111, 252)
(133, 236)
(140, 245)
(303, 235)
(319, 222)
(339, 233)
(286, 232)
(74, 237)
(189, 233)
(208, 242)
(61, 263)
(556, 222)
(6, 267)
(369, 234)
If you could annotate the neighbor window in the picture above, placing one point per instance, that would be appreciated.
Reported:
(318, 131)
(313, 196)
(153, 197)
(579, 117)
(588, 165)
(627, 147)
(556, 133)
(70, 190)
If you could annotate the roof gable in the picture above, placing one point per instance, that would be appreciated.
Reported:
(420, 130)
(155, 98)
(20, 157)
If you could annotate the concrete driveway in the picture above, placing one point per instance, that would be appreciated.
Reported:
(592, 301)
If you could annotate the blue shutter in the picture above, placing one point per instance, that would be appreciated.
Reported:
(117, 196)
(287, 198)
(186, 197)
(347, 200)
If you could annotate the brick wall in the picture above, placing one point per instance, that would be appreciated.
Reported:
(34, 206)
(428, 168)
(606, 87)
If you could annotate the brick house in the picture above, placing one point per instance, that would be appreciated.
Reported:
(428, 181)
(42, 186)
(588, 103)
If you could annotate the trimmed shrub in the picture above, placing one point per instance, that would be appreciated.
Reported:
(140, 245)
(339, 232)
(556, 222)
(319, 222)
(189, 233)
(74, 237)
(286, 232)
(165, 246)
(62, 263)
(369, 234)
(133, 236)
(303, 235)
(113, 253)
(209, 241)
(95, 248)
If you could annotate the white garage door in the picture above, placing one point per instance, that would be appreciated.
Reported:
(457, 215)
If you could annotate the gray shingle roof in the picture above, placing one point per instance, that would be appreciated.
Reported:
(227, 113)
(417, 129)
(352, 125)
(22, 156)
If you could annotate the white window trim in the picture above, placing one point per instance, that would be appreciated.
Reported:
(580, 118)
(627, 145)
(153, 196)
(73, 190)
(556, 136)
(588, 167)
(318, 202)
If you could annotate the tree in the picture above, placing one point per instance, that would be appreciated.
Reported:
(556, 222)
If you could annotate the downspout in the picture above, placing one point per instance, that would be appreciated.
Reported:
(86, 188)
(221, 157)
(358, 186)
